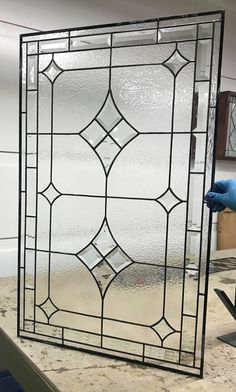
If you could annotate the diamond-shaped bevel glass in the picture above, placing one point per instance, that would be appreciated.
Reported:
(51, 193)
(93, 133)
(107, 151)
(176, 62)
(123, 133)
(90, 256)
(118, 260)
(48, 307)
(104, 241)
(52, 71)
(103, 274)
(168, 200)
(163, 328)
(109, 115)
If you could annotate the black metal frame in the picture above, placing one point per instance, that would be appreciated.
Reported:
(183, 368)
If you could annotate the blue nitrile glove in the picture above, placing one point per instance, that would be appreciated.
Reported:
(222, 195)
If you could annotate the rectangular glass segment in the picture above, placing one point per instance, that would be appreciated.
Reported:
(231, 131)
(117, 135)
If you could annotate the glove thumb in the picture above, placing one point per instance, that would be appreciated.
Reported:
(215, 198)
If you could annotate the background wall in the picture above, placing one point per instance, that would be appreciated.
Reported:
(51, 14)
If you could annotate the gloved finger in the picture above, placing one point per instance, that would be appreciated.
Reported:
(215, 198)
(221, 186)
(217, 207)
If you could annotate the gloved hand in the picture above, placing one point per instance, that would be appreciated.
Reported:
(222, 195)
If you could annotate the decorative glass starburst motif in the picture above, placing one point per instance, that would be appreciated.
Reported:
(52, 71)
(48, 307)
(168, 200)
(51, 193)
(176, 62)
(163, 328)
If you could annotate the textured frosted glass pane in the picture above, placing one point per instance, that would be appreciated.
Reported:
(144, 97)
(32, 111)
(44, 161)
(180, 162)
(72, 92)
(44, 61)
(191, 293)
(203, 60)
(85, 59)
(97, 41)
(43, 220)
(135, 38)
(79, 223)
(142, 298)
(66, 291)
(143, 161)
(53, 45)
(127, 217)
(183, 102)
(187, 49)
(44, 109)
(76, 167)
(71, 320)
(145, 54)
(173, 301)
(176, 236)
(177, 33)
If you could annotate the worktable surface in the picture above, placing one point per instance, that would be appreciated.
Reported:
(74, 371)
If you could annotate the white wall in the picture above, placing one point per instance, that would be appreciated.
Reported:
(50, 14)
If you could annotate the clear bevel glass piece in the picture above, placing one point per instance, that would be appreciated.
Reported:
(31, 150)
(109, 115)
(48, 307)
(163, 328)
(123, 133)
(107, 151)
(90, 42)
(176, 62)
(51, 193)
(32, 48)
(118, 260)
(32, 72)
(103, 274)
(135, 38)
(177, 33)
(90, 256)
(205, 30)
(203, 63)
(56, 45)
(117, 27)
(93, 134)
(168, 200)
(52, 71)
(104, 241)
